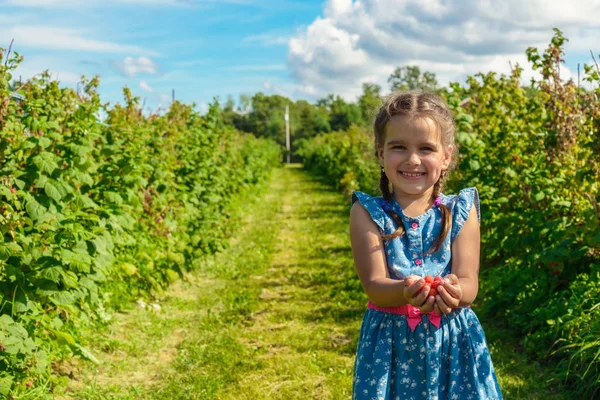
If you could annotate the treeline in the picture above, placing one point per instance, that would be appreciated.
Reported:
(263, 115)
(97, 213)
(534, 154)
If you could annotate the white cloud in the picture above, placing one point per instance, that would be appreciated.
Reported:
(146, 87)
(55, 38)
(361, 41)
(281, 89)
(130, 67)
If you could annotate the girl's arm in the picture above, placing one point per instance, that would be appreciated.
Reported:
(465, 259)
(370, 261)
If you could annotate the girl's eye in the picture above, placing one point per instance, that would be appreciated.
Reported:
(426, 148)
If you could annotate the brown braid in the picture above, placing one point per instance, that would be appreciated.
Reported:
(446, 217)
(384, 185)
(419, 105)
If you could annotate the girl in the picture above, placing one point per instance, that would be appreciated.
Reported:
(414, 345)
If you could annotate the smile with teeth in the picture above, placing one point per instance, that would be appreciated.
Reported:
(412, 175)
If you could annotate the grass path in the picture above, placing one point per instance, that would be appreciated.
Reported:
(275, 316)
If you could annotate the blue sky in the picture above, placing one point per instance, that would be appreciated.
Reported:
(199, 49)
(300, 49)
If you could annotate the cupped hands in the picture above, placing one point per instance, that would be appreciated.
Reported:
(433, 294)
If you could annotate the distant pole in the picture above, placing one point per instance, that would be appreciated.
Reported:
(173, 96)
(287, 132)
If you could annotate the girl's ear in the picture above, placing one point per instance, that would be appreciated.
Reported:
(447, 157)
(380, 156)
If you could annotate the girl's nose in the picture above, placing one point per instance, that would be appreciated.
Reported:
(413, 158)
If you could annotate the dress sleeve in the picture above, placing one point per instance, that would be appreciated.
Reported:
(372, 206)
(462, 207)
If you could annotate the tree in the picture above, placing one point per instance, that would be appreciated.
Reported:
(309, 120)
(410, 78)
(369, 101)
(341, 114)
(228, 114)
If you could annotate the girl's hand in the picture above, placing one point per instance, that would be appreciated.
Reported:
(449, 295)
(422, 301)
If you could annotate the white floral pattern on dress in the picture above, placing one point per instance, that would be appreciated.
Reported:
(449, 362)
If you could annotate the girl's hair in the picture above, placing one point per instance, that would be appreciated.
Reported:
(417, 105)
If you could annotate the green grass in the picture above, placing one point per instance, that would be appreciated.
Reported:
(275, 316)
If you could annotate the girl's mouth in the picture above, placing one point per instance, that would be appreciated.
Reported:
(412, 176)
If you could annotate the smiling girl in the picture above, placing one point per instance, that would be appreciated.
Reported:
(415, 343)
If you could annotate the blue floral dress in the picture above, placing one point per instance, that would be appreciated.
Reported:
(398, 363)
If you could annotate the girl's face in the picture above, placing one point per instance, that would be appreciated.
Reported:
(413, 155)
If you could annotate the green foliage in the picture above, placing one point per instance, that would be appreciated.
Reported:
(410, 78)
(344, 159)
(534, 155)
(95, 214)
(369, 101)
(341, 113)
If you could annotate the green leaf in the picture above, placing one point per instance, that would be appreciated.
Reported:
(474, 165)
(70, 278)
(52, 274)
(63, 338)
(113, 197)
(86, 202)
(42, 360)
(21, 303)
(30, 143)
(45, 162)
(14, 328)
(86, 353)
(172, 276)
(20, 184)
(8, 249)
(52, 192)
(6, 320)
(46, 288)
(510, 172)
(44, 142)
(88, 284)
(62, 298)
(5, 385)
(35, 209)
(13, 344)
(41, 181)
(84, 178)
(4, 191)
(99, 244)
(539, 196)
(129, 269)
(57, 323)
(52, 125)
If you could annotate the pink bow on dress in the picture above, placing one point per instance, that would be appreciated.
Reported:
(413, 314)
(414, 317)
